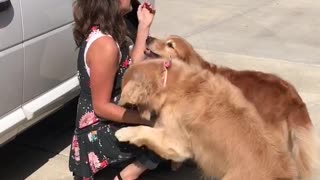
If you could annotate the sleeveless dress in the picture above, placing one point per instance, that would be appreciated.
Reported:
(94, 145)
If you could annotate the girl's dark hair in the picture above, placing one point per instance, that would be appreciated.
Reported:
(103, 13)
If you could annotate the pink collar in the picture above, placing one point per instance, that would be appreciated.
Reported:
(166, 66)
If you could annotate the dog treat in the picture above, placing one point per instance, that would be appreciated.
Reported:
(148, 6)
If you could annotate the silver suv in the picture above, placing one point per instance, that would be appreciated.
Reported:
(37, 62)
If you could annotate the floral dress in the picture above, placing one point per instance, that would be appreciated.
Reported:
(94, 145)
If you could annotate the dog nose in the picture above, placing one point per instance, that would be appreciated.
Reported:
(149, 40)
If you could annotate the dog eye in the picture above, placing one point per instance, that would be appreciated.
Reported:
(170, 45)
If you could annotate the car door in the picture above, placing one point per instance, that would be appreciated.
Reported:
(49, 46)
(11, 68)
(50, 53)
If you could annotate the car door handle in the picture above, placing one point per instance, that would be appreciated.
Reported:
(4, 5)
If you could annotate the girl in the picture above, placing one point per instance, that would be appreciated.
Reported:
(99, 32)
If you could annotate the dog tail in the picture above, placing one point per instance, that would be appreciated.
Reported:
(305, 145)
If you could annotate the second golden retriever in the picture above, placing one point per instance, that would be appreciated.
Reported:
(202, 116)
(276, 100)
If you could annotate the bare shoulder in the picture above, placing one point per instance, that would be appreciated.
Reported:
(104, 43)
(103, 48)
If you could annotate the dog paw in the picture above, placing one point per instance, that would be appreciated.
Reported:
(131, 135)
(125, 134)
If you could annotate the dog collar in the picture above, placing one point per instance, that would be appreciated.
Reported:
(166, 66)
(165, 77)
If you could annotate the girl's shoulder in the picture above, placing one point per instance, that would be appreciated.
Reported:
(99, 48)
(97, 40)
(103, 48)
(96, 34)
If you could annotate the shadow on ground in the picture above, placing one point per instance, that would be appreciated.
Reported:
(35, 147)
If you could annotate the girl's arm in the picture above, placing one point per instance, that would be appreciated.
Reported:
(102, 59)
(145, 17)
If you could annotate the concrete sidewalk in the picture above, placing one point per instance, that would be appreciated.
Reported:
(277, 36)
(277, 29)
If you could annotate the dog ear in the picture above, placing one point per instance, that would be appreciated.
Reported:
(134, 92)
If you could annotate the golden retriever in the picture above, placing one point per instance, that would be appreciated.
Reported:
(202, 116)
(276, 100)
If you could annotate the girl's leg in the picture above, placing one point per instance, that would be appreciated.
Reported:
(146, 160)
(132, 171)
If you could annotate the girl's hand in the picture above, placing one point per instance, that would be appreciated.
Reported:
(145, 14)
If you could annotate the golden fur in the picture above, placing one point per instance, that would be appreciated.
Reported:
(276, 100)
(202, 116)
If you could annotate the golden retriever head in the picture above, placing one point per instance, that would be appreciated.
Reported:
(174, 47)
(141, 81)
